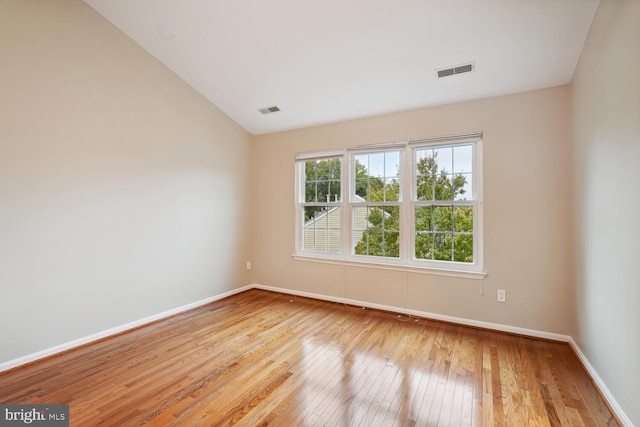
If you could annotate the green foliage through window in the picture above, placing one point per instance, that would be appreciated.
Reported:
(376, 229)
(440, 207)
(443, 231)
(322, 184)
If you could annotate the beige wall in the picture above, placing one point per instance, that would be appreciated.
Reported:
(527, 208)
(606, 102)
(123, 193)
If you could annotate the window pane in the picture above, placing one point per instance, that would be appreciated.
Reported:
(360, 216)
(463, 159)
(376, 231)
(378, 243)
(376, 190)
(362, 165)
(377, 176)
(368, 244)
(463, 247)
(320, 219)
(443, 218)
(443, 187)
(444, 159)
(329, 169)
(376, 164)
(375, 218)
(463, 219)
(424, 218)
(462, 187)
(322, 180)
(444, 233)
(310, 192)
(392, 190)
(308, 238)
(392, 164)
(424, 246)
(334, 191)
(321, 230)
(362, 189)
(423, 153)
(335, 168)
(434, 178)
(310, 170)
(442, 246)
(312, 211)
(424, 187)
(323, 192)
(335, 241)
(425, 163)
(390, 244)
(391, 218)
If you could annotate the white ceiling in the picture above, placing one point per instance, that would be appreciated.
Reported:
(334, 60)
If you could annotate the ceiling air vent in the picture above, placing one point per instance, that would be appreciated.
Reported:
(458, 69)
(269, 110)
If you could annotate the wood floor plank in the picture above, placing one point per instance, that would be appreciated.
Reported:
(263, 358)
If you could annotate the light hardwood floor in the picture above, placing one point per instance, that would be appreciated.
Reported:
(263, 358)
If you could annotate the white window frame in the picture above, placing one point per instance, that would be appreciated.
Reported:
(352, 202)
(300, 202)
(407, 205)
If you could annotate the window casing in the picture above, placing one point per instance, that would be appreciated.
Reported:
(414, 204)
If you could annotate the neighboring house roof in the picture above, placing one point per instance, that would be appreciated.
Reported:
(327, 212)
(322, 232)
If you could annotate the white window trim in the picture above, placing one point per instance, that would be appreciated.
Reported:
(478, 275)
(299, 192)
(351, 203)
(406, 261)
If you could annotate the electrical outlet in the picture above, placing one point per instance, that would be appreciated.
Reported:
(248, 265)
(502, 295)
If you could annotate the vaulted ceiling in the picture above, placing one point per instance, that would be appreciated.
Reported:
(334, 60)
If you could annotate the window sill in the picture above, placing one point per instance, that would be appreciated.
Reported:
(476, 275)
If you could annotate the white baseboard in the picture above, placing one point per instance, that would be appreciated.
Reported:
(613, 403)
(4, 366)
(479, 324)
(424, 314)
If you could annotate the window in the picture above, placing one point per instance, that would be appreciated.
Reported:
(414, 204)
(375, 204)
(321, 205)
(443, 203)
